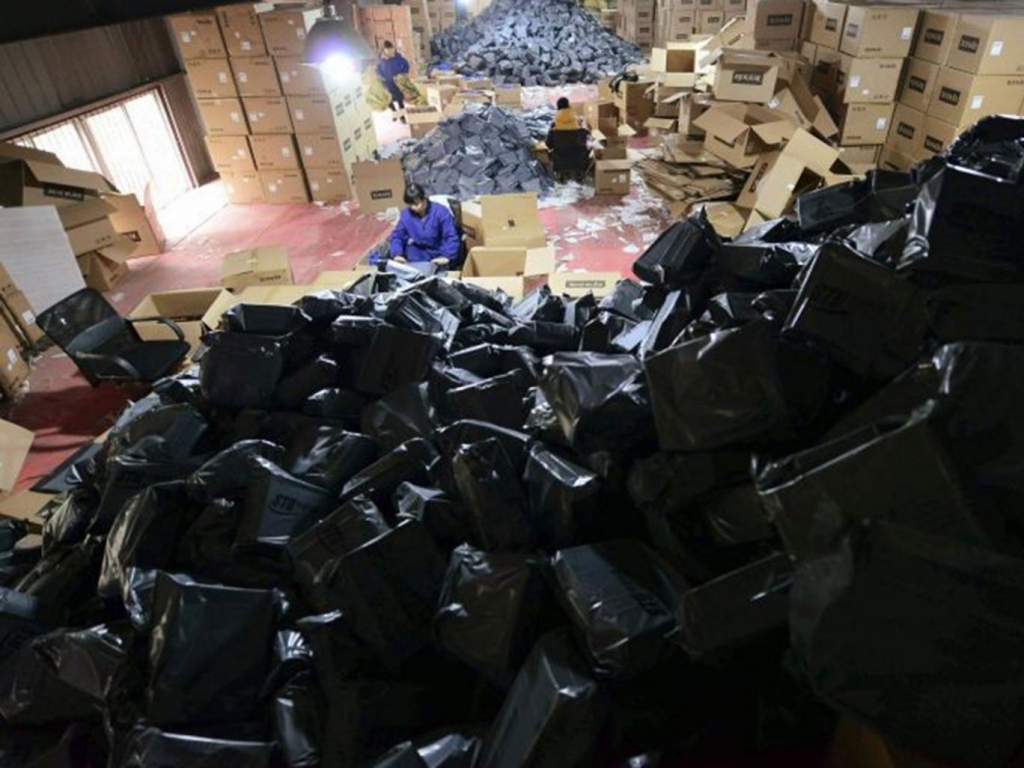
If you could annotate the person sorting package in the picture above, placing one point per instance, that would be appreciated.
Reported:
(425, 231)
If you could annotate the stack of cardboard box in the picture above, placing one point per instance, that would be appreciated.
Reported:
(394, 23)
(964, 66)
(776, 25)
(422, 28)
(636, 22)
(275, 131)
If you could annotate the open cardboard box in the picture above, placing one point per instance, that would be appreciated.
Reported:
(515, 270)
(747, 76)
(740, 133)
(276, 295)
(379, 186)
(613, 146)
(795, 100)
(34, 182)
(186, 308)
(506, 221)
(131, 220)
(340, 279)
(778, 178)
(103, 268)
(266, 265)
(422, 120)
(88, 225)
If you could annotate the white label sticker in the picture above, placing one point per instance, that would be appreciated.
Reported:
(285, 77)
(186, 37)
(997, 48)
(308, 151)
(28, 317)
(880, 123)
(12, 357)
(243, 77)
(246, 45)
(222, 77)
(254, 117)
(300, 114)
(774, 103)
(906, 33)
(273, 187)
(854, 81)
(300, 33)
(239, 153)
(286, 152)
(235, 117)
(976, 102)
(315, 186)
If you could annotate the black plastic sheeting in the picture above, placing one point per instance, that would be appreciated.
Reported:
(699, 519)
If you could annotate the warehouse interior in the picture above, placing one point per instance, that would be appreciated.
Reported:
(506, 383)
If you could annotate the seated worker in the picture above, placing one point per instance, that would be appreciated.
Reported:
(568, 143)
(425, 231)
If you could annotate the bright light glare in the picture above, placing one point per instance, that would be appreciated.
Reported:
(339, 69)
(465, 3)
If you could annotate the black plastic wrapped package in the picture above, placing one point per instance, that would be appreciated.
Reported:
(563, 498)
(299, 712)
(402, 415)
(621, 600)
(240, 370)
(279, 506)
(499, 400)
(452, 751)
(394, 358)
(978, 312)
(489, 485)
(147, 747)
(680, 254)
(293, 390)
(445, 519)
(409, 462)
(329, 457)
(228, 474)
(264, 319)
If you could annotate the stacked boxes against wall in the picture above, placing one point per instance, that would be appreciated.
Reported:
(964, 66)
(381, 23)
(422, 29)
(270, 122)
(636, 22)
(679, 20)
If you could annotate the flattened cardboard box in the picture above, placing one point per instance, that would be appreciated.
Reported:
(243, 188)
(962, 99)
(197, 36)
(186, 308)
(379, 186)
(274, 152)
(988, 44)
(918, 83)
(130, 220)
(230, 153)
(256, 76)
(877, 31)
(31, 182)
(266, 265)
(223, 117)
(577, 284)
(241, 30)
(268, 115)
(738, 133)
(210, 78)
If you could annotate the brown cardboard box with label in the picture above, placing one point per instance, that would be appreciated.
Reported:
(891, 159)
(827, 21)
(515, 270)
(285, 31)
(510, 221)
(508, 95)
(379, 186)
(710, 22)
(906, 130)
(130, 220)
(918, 83)
(612, 177)
(825, 73)
(935, 35)
(88, 225)
(223, 117)
(962, 99)
(298, 79)
(747, 76)
(602, 116)
(936, 135)
(311, 114)
(241, 31)
(198, 36)
(680, 57)
(864, 123)
(266, 265)
(988, 44)
(778, 178)
(230, 153)
(879, 31)
(284, 187)
(103, 269)
(321, 151)
(777, 19)
(274, 153)
(210, 78)
(579, 284)
(866, 81)
(738, 133)
(256, 76)
(31, 182)
(243, 188)
(18, 311)
(14, 371)
(860, 159)
(186, 308)
(327, 186)
(268, 116)
(422, 120)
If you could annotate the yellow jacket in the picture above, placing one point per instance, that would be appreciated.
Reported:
(566, 120)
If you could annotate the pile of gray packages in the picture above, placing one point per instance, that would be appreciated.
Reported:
(534, 42)
(483, 151)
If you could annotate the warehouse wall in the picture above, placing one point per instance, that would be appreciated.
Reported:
(44, 78)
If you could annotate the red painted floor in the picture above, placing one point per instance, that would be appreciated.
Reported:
(597, 234)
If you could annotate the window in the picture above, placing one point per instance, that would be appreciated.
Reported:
(132, 143)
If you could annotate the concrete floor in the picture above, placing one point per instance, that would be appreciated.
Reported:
(589, 233)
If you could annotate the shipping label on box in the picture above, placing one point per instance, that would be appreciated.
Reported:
(612, 177)
(223, 117)
(230, 153)
(210, 78)
(266, 265)
(268, 116)
(256, 76)
(863, 81)
(876, 31)
(241, 31)
(579, 284)
(379, 186)
(197, 36)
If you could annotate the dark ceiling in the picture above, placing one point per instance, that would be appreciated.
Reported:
(24, 19)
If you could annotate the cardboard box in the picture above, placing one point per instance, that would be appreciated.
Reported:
(274, 152)
(614, 146)
(710, 5)
(936, 135)
(865, 81)
(506, 221)
(422, 120)
(860, 159)
(679, 57)
(241, 31)
(341, 279)
(379, 186)
(285, 31)
(223, 117)
(298, 79)
(962, 99)
(825, 73)
(738, 133)
(198, 36)
(210, 78)
(243, 188)
(14, 371)
(918, 83)
(104, 268)
(10, 151)
(230, 153)
(256, 76)
(796, 101)
(273, 295)
(905, 133)
(31, 182)
(988, 44)
(186, 308)
(748, 76)
(891, 159)
(778, 178)
(878, 31)
(602, 116)
(15, 444)
(515, 270)
(865, 124)
(612, 177)
(326, 186)
(129, 220)
(311, 114)
(321, 151)
(710, 22)
(440, 96)
(827, 21)
(284, 186)
(268, 115)
(88, 225)
(508, 95)
(579, 284)
(17, 311)
(266, 265)
(777, 19)
(935, 35)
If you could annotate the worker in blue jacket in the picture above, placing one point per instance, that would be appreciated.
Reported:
(425, 231)
(391, 65)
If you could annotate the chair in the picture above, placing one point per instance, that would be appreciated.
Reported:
(570, 155)
(106, 346)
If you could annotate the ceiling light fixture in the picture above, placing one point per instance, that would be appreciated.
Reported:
(335, 47)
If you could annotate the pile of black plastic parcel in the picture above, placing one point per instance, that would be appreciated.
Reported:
(534, 42)
(416, 524)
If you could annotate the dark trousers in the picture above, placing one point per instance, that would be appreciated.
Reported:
(396, 98)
